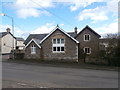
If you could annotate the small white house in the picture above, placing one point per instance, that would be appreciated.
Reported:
(7, 42)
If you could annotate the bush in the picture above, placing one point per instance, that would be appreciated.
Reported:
(113, 61)
(19, 55)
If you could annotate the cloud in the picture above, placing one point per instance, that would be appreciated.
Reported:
(100, 13)
(93, 14)
(112, 6)
(48, 27)
(24, 13)
(4, 27)
(17, 31)
(76, 4)
(110, 28)
(34, 8)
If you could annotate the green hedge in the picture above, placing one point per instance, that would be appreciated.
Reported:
(113, 61)
(19, 55)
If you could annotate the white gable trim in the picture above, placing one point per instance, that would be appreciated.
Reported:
(34, 42)
(60, 30)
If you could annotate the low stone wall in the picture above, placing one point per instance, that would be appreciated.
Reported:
(96, 61)
(6, 56)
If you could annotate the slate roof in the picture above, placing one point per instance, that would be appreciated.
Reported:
(60, 29)
(90, 30)
(35, 41)
(35, 36)
(2, 34)
(73, 34)
(19, 39)
(41, 36)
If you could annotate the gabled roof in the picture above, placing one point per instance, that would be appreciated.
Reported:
(19, 39)
(37, 36)
(73, 34)
(41, 36)
(36, 41)
(58, 28)
(87, 27)
(2, 34)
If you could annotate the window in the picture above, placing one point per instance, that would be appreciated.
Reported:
(54, 48)
(58, 41)
(86, 37)
(62, 40)
(54, 41)
(58, 45)
(62, 48)
(87, 50)
(33, 50)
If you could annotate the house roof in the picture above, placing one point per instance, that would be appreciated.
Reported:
(19, 39)
(58, 28)
(37, 36)
(41, 36)
(73, 34)
(87, 27)
(2, 34)
(36, 41)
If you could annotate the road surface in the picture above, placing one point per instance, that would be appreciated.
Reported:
(16, 75)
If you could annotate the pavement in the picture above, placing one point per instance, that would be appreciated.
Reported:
(26, 75)
(66, 65)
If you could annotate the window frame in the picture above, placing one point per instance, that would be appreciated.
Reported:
(58, 45)
(33, 49)
(85, 36)
(87, 48)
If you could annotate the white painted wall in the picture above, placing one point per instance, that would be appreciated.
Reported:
(7, 43)
(20, 45)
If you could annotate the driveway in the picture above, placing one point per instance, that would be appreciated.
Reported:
(16, 75)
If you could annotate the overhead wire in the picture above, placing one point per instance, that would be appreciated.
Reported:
(60, 18)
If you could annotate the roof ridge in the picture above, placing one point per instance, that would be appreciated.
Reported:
(90, 29)
(60, 30)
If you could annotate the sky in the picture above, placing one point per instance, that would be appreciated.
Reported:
(42, 16)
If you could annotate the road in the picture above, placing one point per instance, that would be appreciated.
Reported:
(16, 75)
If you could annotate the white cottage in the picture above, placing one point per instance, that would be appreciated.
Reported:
(7, 42)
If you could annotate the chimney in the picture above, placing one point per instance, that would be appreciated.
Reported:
(8, 29)
(75, 30)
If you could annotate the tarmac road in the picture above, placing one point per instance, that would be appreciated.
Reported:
(16, 75)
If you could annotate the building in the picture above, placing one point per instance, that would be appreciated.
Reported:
(20, 43)
(7, 42)
(60, 45)
(89, 41)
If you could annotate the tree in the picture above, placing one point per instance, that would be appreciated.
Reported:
(113, 49)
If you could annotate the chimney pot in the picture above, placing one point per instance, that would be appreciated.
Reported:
(75, 29)
(8, 29)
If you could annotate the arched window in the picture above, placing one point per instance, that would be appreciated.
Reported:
(33, 50)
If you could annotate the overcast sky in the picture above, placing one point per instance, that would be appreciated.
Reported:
(41, 16)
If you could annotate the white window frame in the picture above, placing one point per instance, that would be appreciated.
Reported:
(58, 45)
(33, 49)
(89, 37)
(89, 50)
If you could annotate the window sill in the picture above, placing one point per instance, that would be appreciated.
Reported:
(86, 40)
(58, 52)
(33, 53)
